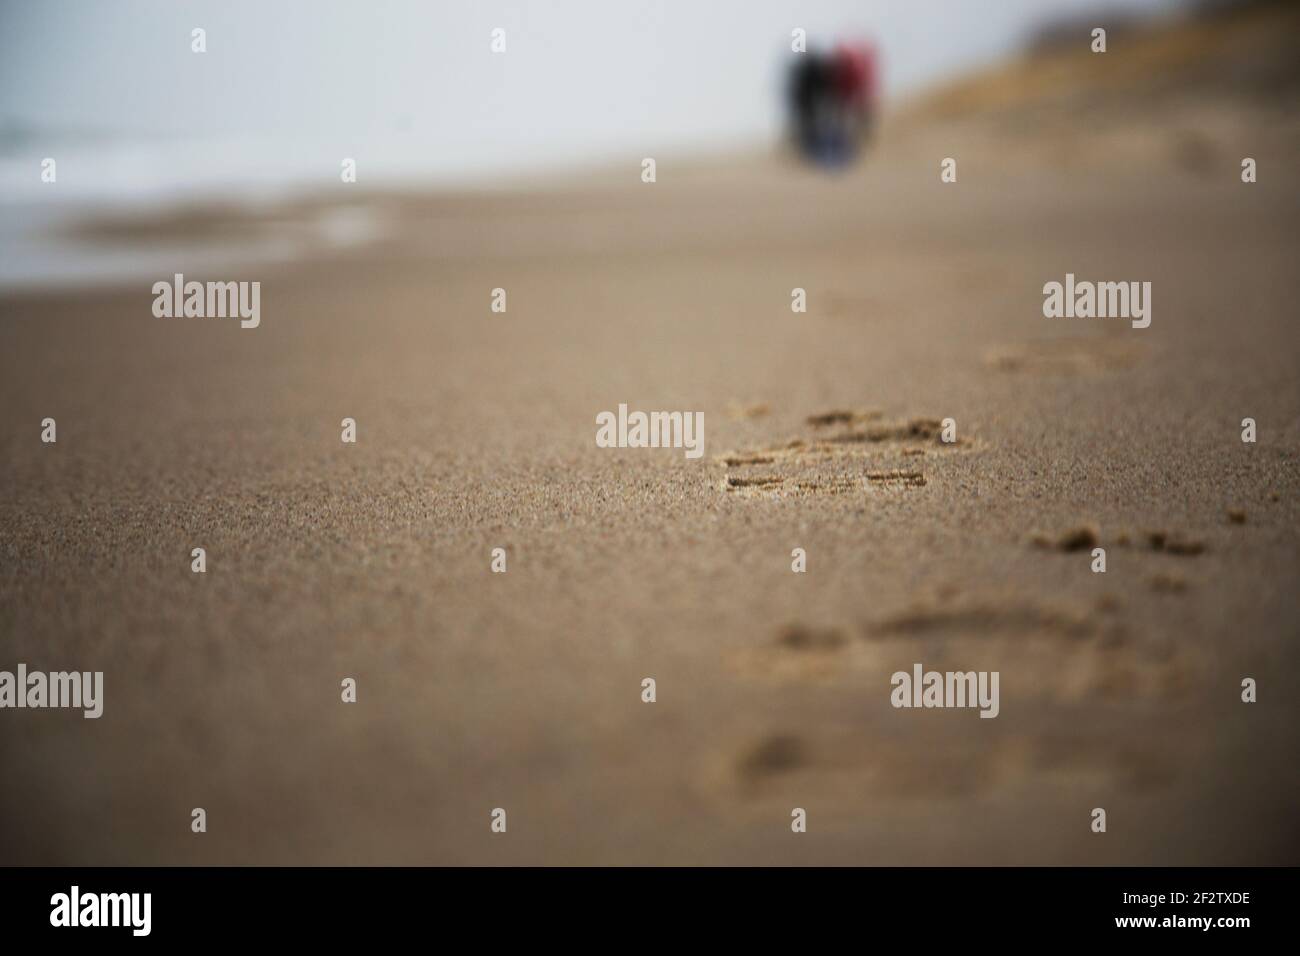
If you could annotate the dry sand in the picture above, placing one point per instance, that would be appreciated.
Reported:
(476, 430)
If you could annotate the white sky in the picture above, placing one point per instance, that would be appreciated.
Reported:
(317, 65)
(411, 90)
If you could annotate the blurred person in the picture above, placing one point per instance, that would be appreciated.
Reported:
(832, 101)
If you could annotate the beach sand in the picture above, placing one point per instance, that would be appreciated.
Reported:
(476, 430)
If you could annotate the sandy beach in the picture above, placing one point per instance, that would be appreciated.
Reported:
(475, 430)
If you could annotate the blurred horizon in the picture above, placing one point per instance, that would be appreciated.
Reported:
(417, 97)
(141, 127)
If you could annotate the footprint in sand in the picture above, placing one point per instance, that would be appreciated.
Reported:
(1071, 356)
(843, 417)
(739, 411)
(1085, 537)
(845, 767)
(842, 768)
(840, 441)
(1061, 654)
(799, 653)
(774, 754)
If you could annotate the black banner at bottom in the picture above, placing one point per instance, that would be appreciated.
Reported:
(303, 905)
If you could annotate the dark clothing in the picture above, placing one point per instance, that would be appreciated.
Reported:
(830, 104)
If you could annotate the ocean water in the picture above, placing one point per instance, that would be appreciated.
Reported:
(135, 179)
